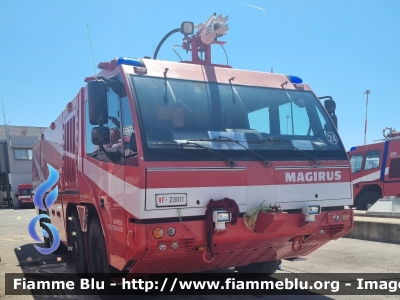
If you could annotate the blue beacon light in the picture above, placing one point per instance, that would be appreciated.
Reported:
(130, 61)
(294, 79)
(353, 148)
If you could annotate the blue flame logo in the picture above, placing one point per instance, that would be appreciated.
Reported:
(38, 201)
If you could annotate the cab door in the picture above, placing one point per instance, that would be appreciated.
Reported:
(357, 165)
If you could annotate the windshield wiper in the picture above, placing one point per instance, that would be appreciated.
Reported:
(229, 162)
(264, 161)
(272, 139)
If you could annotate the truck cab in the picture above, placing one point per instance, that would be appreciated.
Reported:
(375, 170)
(24, 195)
(163, 166)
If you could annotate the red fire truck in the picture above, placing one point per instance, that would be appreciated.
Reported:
(24, 195)
(375, 170)
(162, 162)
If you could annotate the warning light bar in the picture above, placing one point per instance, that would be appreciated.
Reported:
(294, 79)
(130, 62)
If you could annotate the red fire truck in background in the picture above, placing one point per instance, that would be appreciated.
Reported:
(376, 170)
(161, 162)
(24, 195)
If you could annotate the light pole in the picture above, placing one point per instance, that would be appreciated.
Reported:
(366, 116)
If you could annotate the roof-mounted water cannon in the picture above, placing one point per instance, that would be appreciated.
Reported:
(213, 28)
(205, 36)
(201, 41)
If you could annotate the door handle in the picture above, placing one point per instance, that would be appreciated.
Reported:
(101, 202)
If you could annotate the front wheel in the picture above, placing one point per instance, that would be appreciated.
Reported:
(77, 242)
(50, 240)
(368, 199)
(267, 268)
(98, 258)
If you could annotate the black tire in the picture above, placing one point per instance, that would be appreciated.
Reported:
(77, 242)
(61, 248)
(46, 242)
(49, 241)
(267, 268)
(98, 258)
(367, 199)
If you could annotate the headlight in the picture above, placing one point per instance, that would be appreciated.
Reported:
(171, 231)
(162, 247)
(345, 217)
(175, 245)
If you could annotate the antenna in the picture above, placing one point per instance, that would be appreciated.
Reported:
(366, 116)
(94, 66)
(4, 115)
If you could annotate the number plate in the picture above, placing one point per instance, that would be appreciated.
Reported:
(165, 200)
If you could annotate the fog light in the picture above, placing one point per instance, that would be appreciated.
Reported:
(162, 247)
(175, 245)
(336, 218)
(345, 217)
(171, 231)
(322, 231)
(158, 232)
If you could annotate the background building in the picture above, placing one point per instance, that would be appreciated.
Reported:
(16, 144)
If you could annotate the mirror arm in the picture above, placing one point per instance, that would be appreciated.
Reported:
(115, 85)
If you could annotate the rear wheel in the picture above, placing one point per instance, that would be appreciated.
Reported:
(77, 242)
(46, 239)
(61, 248)
(98, 258)
(267, 268)
(367, 199)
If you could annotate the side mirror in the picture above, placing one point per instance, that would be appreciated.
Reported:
(16, 195)
(100, 135)
(97, 97)
(330, 106)
(132, 142)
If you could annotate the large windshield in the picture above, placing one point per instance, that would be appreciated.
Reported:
(25, 192)
(174, 111)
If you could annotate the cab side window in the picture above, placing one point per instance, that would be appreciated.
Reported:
(128, 132)
(372, 160)
(394, 170)
(356, 163)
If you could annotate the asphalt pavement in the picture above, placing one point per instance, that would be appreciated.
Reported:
(18, 255)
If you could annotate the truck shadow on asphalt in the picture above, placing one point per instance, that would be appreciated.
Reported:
(51, 266)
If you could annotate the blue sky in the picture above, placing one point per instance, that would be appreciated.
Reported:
(340, 48)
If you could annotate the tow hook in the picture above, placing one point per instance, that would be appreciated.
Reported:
(204, 256)
(299, 240)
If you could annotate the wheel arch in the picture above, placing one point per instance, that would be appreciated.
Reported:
(365, 189)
